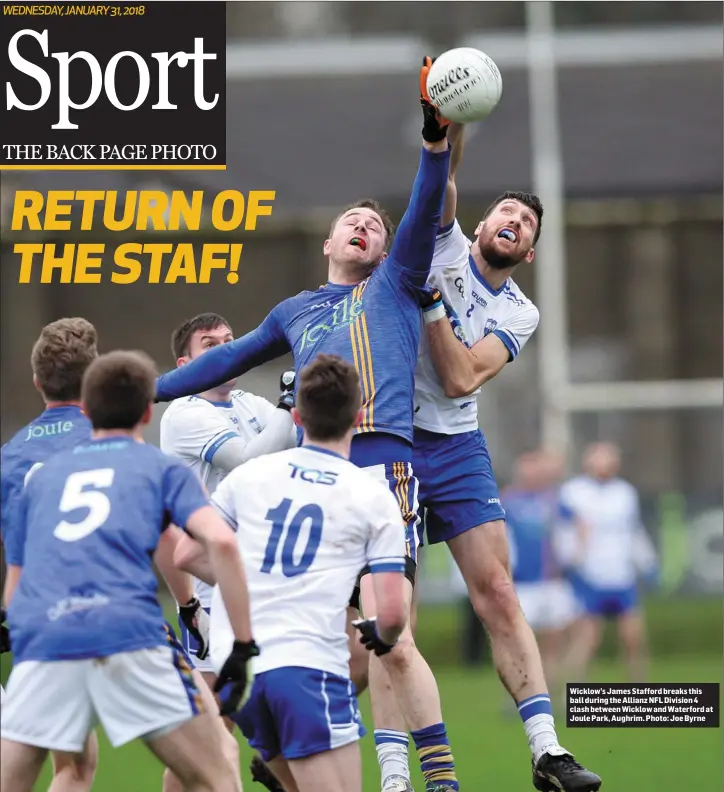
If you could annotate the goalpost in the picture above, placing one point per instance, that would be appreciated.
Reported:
(561, 397)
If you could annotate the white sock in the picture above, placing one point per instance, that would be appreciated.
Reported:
(540, 729)
(541, 733)
(392, 754)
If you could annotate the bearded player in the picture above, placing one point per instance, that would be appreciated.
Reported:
(477, 320)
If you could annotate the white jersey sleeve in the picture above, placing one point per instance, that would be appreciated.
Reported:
(452, 247)
(194, 429)
(263, 408)
(266, 411)
(386, 545)
(515, 330)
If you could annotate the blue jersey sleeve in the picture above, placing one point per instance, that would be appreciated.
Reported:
(411, 256)
(227, 361)
(15, 532)
(183, 493)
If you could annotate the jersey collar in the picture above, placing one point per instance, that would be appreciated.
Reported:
(323, 451)
(483, 282)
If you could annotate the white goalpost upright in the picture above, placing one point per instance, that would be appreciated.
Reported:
(560, 397)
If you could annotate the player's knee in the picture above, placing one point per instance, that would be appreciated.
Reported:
(79, 771)
(631, 632)
(495, 600)
(229, 747)
(79, 768)
(402, 656)
(170, 782)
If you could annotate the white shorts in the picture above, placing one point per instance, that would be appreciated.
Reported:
(55, 705)
(549, 605)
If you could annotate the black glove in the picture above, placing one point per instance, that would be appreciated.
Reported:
(369, 637)
(286, 386)
(4, 633)
(196, 621)
(234, 671)
(434, 127)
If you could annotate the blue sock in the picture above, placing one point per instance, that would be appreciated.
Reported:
(436, 761)
(536, 713)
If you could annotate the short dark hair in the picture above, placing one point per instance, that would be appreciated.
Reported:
(181, 337)
(370, 203)
(328, 397)
(530, 200)
(118, 388)
(61, 355)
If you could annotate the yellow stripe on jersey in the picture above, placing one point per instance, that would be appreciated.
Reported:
(373, 390)
(353, 341)
(362, 354)
(358, 355)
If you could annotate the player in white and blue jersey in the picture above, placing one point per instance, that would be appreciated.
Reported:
(307, 522)
(536, 520)
(60, 356)
(477, 319)
(369, 314)
(89, 638)
(214, 432)
(616, 552)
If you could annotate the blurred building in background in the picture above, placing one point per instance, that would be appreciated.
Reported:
(323, 108)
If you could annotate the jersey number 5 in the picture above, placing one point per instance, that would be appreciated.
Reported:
(278, 518)
(81, 491)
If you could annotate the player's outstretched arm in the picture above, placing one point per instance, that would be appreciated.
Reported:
(414, 243)
(226, 361)
(462, 370)
(456, 141)
(278, 433)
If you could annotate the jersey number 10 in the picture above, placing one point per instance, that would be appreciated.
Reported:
(278, 518)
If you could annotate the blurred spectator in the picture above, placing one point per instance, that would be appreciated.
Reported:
(616, 550)
(533, 517)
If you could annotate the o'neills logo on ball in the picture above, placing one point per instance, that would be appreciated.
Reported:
(452, 76)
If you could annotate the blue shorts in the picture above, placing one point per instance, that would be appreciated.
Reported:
(388, 459)
(299, 712)
(191, 646)
(457, 488)
(604, 602)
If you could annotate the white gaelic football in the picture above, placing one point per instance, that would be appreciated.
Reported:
(464, 84)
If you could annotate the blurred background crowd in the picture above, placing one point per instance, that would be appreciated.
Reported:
(618, 126)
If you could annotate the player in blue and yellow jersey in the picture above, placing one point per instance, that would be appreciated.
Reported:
(89, 638)
(60, 357)
(368, 313)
